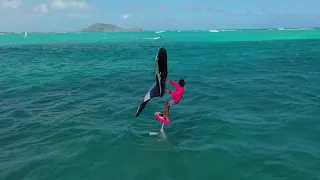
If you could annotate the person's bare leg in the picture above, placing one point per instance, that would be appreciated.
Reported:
(166, 113)
(165, 110)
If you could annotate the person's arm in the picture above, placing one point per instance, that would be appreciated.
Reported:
(173, 83)
(170, 92)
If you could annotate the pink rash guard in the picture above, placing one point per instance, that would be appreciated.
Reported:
(178, 94)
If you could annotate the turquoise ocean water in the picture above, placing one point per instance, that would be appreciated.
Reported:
(250, 112)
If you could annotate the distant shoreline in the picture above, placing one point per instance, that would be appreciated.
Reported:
(61, 32)
(95, 29)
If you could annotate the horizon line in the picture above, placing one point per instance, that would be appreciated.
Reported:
(149, 30)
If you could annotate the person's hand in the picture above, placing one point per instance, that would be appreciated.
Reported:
(167, 90)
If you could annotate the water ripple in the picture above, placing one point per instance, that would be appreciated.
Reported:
(251, 109)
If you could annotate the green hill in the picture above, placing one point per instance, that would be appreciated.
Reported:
(100, 27)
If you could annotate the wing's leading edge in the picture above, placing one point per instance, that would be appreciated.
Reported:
(158, 88)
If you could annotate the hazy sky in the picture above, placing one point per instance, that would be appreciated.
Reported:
(61, 15)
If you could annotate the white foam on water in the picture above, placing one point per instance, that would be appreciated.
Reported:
(228, 30)
(153, 133)
(294, 29)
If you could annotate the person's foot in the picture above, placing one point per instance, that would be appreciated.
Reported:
(165, 118)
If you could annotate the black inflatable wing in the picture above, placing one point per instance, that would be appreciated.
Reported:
(161, 73)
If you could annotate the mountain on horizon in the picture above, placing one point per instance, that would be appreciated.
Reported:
(101, 27)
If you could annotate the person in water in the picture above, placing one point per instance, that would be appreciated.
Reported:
(176, 96)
